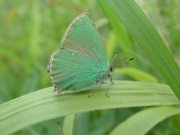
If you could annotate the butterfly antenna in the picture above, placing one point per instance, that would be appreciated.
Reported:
(116, 55)
(114, 58)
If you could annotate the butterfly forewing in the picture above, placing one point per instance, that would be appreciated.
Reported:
(83, 37)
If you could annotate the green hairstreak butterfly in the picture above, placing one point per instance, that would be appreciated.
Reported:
(82, 60)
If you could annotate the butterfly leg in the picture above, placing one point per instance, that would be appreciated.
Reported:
(91, 93)
(92, 90)
(107, 88)
(111, 80)
(55, 89)
(107, 92)
(58, 90)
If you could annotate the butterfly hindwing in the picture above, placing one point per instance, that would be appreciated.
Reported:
(82, 61)
(73, 71)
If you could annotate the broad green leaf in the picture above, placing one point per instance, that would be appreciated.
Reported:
(148, 39)
(46, 104)
(145, 120)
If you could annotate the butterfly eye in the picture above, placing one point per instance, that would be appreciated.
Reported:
(111, 69)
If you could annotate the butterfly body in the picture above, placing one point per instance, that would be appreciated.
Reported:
(82, 61)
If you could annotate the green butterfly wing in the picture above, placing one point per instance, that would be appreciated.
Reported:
(82, 61)
(83, 37)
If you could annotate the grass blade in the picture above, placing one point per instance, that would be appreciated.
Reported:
(148, 39)
(45, 104)
(145, 120)
(118, 29)
(136, 74)
(68, 125)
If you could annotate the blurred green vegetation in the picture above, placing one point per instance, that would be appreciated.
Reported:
(31, 30)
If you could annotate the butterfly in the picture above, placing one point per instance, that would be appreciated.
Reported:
(82, 61)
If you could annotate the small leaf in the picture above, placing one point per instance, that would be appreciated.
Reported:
(68, 125)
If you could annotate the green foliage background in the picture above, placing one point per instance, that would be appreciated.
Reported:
(31, 30)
